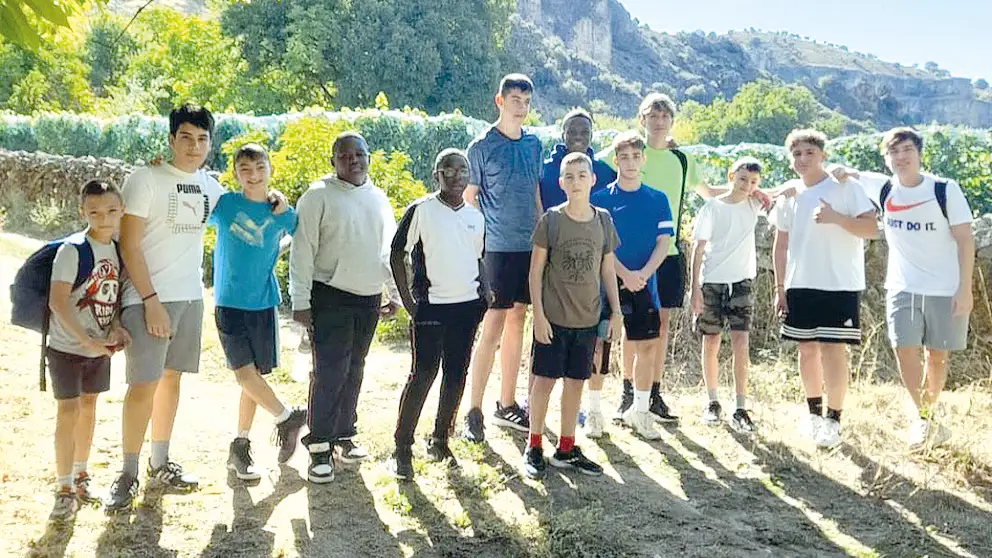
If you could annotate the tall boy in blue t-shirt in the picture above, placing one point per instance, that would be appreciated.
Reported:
(249, 230)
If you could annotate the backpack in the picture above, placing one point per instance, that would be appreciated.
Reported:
(602, 214)
(939, 192)
(29, 291)
(684, 161)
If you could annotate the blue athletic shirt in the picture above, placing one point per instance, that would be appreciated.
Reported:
(248, 236)
(551, 192)
(640, 218)
(507, 173)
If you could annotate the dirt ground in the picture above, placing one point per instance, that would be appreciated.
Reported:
(700, 491)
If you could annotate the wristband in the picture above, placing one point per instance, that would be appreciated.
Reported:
(152, 295)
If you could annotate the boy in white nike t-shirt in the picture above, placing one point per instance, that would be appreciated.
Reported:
(927, 223)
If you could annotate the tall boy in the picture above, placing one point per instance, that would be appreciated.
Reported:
(819, 273)
(573, 259)
(443, 237)
(643, 222)
(576, 135)
(927, 223)
(724, 264)
(249, 231)
(162, 245)
(505, 168)
(84, 333)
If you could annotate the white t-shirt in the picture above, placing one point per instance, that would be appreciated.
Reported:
(94, 302)
(923, 256)
(824, 257)
(728, 229)
(445, 247)
(175, 206)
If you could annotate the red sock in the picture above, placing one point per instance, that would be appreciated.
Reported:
(566, 443)
(535, 441)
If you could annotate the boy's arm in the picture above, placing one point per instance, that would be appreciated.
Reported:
(58, 303)
(397, 261)
(780, 256)
(695, 267)
(538, 260)
(608, 276)
(963, 300)
(658, 256)
(302, 252)
(864, 225)
(156, 318)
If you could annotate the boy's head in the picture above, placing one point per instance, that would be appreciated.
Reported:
(745, 175)
(451, 171)
(657, 115)
(252, 169)
(350, 158)
(807, 151)
(102, 205)
(628, 154)
(902, 148)
(576, 177)
(513, 98)
(190, 130)
(576, 130)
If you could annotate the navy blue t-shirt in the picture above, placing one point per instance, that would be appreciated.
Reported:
(551, 192)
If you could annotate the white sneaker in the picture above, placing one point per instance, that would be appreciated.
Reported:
(642, 424)
(594, 425)
(811, 428)
(925, 434)
(829, 434)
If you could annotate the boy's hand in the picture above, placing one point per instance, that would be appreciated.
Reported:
(762, 198)
(119, 338)
(615, 328)
(157, 319)
(842, 173)
(825, 214)
(789, 192)
(962, 303)
(156, 161)
(279, 202)
(781, 306)
(542, 329)
(631, 281)
(389, 310)
(98, 347)
(671, 143)
(304, 318)
(696, 302)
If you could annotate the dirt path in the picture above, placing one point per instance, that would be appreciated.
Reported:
(699, 492)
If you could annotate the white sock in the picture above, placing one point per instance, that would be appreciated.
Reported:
(78, 467)
(281, 417)
(64, 482)
(243, 433)
(642, 400)
(592, 401)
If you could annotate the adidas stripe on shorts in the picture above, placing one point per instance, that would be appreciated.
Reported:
(824, 316)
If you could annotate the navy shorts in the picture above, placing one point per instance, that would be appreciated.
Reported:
(671, 281)
(507, 272)
(73, 375)
(641, 320)
(823, 316)
(569, 355)
(248, 337)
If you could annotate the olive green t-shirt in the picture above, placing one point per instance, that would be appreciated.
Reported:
(571, 284)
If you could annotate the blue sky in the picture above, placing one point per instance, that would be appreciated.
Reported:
(952, 33)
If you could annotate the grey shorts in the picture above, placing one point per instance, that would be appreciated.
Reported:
(148, 356)
(920, 320)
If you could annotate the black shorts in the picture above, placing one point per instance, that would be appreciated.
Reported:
(641, 320)
(824, 316)
(671, 281)
(568, 356)
(73, 375)
(725, 306)
(507, 272)
(248, 337)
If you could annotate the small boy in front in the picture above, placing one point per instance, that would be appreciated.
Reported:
(250, 227)
(723, 266)
(819, 272)
(572, 260)
(84, 333)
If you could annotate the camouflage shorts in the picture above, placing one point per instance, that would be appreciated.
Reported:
(725, 305)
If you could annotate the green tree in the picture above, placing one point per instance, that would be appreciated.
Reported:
(26, 22)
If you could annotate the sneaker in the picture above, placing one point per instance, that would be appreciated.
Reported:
(122, 494)
(401, 465)
(66, 505)
(321, 466)
(576, 460)
(811, 428)
(642, 424)
(660, 411)
(475, 430)
(829, 434)
(626, 400)
(438, 451)
(305, 346)
(927, 434)
(741, 422)
(511, 416)
(171, 476)
(712, 414)
(240, 461)
(534, 464)
(81, 485)
(287, 434)
(595, 423)
(350, 452)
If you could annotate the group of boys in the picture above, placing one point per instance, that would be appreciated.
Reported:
(591, 241)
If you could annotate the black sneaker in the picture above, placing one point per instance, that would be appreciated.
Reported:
(534, 464)
(741, 422)
(712, 414)
(287, 434)
(574, 459)
(660, 411)
(626, 400)
(401, 465)
(171, 476)
(350, 452)
(122, 495)
(475, 430)
(511, 416)
(438, 451)
(240, 461)
(321, 465)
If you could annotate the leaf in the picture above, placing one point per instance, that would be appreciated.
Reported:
(50, 10)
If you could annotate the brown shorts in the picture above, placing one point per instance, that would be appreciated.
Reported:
(73, 375)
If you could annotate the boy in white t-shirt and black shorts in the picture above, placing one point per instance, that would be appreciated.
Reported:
(819, 272)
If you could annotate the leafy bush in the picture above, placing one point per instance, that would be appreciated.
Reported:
(17, 134)
(135, 138)
(68, 134)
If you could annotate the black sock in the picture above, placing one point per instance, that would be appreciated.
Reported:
(815, 405)
(628, 385)
(655, 390)
(833, 414)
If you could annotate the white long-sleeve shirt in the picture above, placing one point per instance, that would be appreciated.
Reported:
(343, 240)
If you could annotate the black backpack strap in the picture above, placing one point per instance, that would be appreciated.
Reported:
(677, 214)
(552, 228)
(44, 350)
(884, 195)
(940, 192)
(603, 216)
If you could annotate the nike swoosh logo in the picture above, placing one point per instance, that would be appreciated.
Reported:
(889, 206)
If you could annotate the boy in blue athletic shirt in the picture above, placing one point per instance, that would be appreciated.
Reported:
(576, 135)
(250, 227)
